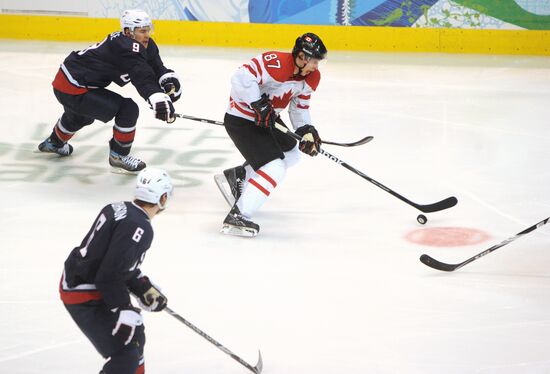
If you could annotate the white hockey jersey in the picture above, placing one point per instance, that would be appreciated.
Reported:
(272, 73)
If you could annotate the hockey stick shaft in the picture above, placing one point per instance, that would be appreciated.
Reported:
(435, 264)
(428, 208)
(255, 369)
(203, 120)
(365, 140)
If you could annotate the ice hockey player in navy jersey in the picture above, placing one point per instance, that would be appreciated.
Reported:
(125, 56)
(260, 90)
(104, 269)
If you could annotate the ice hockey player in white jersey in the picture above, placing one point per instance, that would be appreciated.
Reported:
(260, 90)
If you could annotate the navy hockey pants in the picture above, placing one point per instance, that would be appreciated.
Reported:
(96, 321)
(104, 105)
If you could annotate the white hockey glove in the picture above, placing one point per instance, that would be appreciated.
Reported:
(170, 84)
(128, 318)
(162, 106)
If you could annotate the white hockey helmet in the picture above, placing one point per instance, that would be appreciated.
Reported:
(151, 184)
(133, 18)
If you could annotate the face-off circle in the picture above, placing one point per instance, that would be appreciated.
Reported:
(447, 236)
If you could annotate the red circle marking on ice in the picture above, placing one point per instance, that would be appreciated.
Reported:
(447, 236)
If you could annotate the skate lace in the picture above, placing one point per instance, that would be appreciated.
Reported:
(240, 184)
(131, 161)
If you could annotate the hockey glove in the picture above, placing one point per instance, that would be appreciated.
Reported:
(311, 142)
(128, 318)
(264, 114)
(150, 296)
(170, 84)
(162, 106)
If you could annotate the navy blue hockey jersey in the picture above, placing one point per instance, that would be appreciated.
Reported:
(105, 266)
(119, 59)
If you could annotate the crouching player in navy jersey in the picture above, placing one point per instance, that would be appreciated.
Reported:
(103, 270)
(125, 56)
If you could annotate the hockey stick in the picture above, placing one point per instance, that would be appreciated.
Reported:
(365, 140)
(427, 208)
(255, 369)
(433, 263)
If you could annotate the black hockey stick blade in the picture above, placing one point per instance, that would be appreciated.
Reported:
(260, 365)
(427, 208)
(365, 140)
(440, 205)
(438, 265)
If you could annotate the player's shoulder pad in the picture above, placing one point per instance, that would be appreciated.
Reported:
(123, 44)
(313, 79)
(279, 65)
(152, 47)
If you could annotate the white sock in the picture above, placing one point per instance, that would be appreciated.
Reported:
(249, 172)
(292, 157)
(260, 185)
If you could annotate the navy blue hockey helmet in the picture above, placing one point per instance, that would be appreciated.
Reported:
(311, 45)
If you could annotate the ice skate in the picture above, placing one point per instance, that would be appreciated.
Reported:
(234, 178)
(48, 146)
(237, 224)
(125, 164)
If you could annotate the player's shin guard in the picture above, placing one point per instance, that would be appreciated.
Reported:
(293, 156)
(122, 140)
(126, 361)
(124, 129)
(57, 141)
(260, 185)
(61, 133)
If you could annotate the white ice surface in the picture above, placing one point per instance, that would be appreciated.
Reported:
(330, 285)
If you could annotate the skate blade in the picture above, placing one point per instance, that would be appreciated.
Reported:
(48, 153)
(221, 182)
(238, 231)
(117, 170)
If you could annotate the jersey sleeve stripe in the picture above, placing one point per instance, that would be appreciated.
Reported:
(242, 110)
(304, 97)
(302, 106)
(258, 67)
(250, 70)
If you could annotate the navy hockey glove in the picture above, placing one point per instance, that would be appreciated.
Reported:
(128, 318)
(311, 142)
(170, 84)
(265, 116)
(162, 106)
(150, 296)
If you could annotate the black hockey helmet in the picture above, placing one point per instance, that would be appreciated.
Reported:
(311, 45)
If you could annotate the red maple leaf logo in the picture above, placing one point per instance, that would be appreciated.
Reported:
(281, 102)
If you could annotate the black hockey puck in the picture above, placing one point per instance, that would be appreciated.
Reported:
(421, 219)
